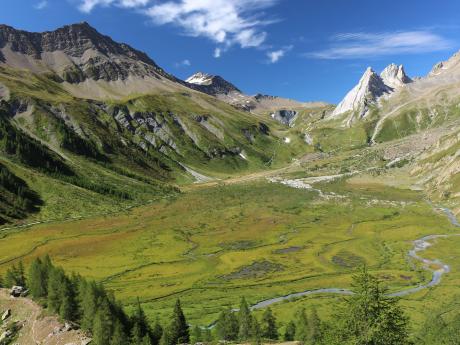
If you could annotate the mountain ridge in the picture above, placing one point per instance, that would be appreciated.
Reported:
(369, 90)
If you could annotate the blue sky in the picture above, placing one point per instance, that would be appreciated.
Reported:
(302, 49)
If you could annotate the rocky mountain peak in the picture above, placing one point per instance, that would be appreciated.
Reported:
(441, 67)
(368, 90)
(200, 78)
(211, 84)
(394, 76)
(75, 52)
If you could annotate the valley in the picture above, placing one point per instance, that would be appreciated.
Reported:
(160, 188)
(250, 237)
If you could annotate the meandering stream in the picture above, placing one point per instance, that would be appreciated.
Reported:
(420, 245)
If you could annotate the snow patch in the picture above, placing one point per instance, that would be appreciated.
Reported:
(200, 79)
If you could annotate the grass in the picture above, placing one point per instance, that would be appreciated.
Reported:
(188, 246)
(211, 245)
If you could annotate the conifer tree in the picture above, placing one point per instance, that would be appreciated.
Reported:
(197, 335)
(13, 277)
(301, 327)
(207, 336)
(146, 340)
(244, 320)
(227, 327)
(68, 307)
(157, 332)
(289, 333)
(178, 329)
(268, 325)
(314, 328)
(166, 338)
(37, 279)
(370, 316)
(88, 305)
(255, 331)
(103, 324)
(118, 335)
(136, 335)
(21, 275)
(140, 320)
(55, 281)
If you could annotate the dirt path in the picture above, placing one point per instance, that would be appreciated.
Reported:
(35, 327)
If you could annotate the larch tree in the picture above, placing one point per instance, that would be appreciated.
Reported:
(178, 330)
(268, 325)
(244, 321)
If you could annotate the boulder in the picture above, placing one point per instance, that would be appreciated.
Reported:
(5, 335)
(6, 314)
(17, 291)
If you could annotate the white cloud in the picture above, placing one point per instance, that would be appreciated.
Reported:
(275, 55)
(217, 53)
(41, 5)
(365, 45)
(88, 5)
(183, 63)
(226, 22)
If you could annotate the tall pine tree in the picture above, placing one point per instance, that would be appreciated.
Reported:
(55, 281)
(245, 321)
(227, 327)
(268, 327)
(37, 278)
(118, 335)
(369, 316)
(301, 327)
(289, 333)
(314, 328)
(103, 324)
(178, 328)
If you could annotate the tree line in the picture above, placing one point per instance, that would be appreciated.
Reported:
(367, 317)
(16, 198)
(93, 308)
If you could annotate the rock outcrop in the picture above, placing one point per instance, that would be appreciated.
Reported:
(286, 117)
(369, 90)
(75, 53)
(394, 76)
(211, 84)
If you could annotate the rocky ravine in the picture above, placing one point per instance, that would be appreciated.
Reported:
(33, 327)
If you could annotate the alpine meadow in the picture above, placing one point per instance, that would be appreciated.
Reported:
(142, 207)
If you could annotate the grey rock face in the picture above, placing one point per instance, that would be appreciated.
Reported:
(94, 55)
(6, 314)
(286, 117)
(395, 76)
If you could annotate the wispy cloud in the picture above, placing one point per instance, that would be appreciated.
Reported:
(183, 63)
(217, 53)
(88, 5)
(365, 45)
(275, 55)
(225, 22)
(41, 5)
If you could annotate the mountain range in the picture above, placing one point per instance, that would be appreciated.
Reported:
(102, 120)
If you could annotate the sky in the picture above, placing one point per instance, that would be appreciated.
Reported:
(309, 50)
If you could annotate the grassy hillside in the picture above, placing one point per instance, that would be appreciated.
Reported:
(107, 153)
(259, 240)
